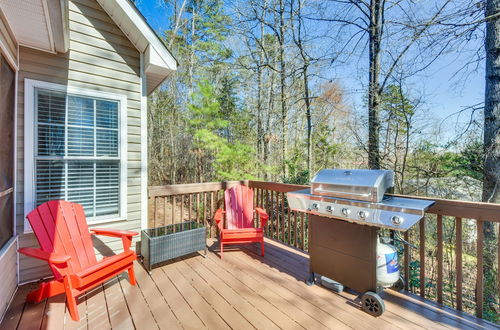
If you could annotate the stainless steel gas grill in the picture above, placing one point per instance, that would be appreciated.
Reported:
(359, 196)
(348, 207)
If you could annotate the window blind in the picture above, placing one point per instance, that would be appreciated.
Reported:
(77, 154)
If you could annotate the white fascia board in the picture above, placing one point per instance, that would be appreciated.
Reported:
(58, 21)
(158, 62)
(155, 68)
(138, 23)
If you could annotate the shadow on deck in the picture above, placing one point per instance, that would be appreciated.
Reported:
(243, 291)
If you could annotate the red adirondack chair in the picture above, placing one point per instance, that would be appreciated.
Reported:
(65, 243)
(239, 219)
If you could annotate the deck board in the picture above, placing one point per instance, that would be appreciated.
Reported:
(249, 312)
(311, 316)
(268, 309)
(69, 324)
(15, 311)
(286, 262)
(406, 317)
(181, 309)
(53, 317)
(98, 317)
(231, 315)
(320, 298)
(32, 315)
(197, 303)
(242, 291)
(158, 306)
(119, 314)
(142, 317)
(392, 317)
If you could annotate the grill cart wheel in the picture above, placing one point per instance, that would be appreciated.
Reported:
(399, 285)
(372, 304)
(311, 280)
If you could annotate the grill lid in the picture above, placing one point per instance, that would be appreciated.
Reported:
(365, 185)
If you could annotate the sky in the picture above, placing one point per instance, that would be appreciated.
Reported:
(445, 92)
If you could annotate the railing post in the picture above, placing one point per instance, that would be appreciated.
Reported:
(190, 211)
(422, 257)
(303, 228)
(440, 258)
(279, 215)
(407, 261)
(165, 210)
(283, 218)
(268, 209)
(458, 262)
(182, 208)
(479, 271)
(173, 209)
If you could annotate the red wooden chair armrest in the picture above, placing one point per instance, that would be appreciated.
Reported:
(113, 232)
(52, 258)
(262, 215)
(126, 235)
(219, 218)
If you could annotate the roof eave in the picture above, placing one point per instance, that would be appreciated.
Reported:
(159, 63)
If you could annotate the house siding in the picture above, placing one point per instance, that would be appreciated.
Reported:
(100, 58)
(8, 260)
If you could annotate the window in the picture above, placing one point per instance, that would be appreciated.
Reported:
(78, 151)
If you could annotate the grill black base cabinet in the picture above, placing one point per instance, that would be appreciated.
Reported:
(347, 253)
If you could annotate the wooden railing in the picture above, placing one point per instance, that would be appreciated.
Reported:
(181, 202)
(447, 268)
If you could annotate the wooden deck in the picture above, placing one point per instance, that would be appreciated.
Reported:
(243, 291)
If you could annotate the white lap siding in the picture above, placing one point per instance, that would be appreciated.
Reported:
(100, 58)
(8, 275)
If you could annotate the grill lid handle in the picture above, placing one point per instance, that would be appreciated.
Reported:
(343, 192)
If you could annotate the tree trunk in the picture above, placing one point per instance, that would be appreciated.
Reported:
(375, 34)
(260, 135)
(267, 133)
(191, 55)
(308, 118)
(284, 115)
(491, 182)
(305, 77)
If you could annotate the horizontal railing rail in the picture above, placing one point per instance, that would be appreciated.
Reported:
(447, 267)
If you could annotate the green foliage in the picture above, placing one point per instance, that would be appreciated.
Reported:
(232, 160)
(467, 162)
(297, 174)
(398, 107)
(325, 149)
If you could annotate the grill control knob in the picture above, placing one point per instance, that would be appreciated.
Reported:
(329, 209)
(315, 207)
(346, 211)
(397, 220)
(363, 214)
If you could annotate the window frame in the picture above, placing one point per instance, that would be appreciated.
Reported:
(30, 146)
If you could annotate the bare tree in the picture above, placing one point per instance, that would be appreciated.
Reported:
(491, 182)
(389, 42)
(298, 33)
(282, 69)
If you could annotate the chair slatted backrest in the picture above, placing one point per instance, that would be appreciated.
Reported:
(239, 207)
(61, 227)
